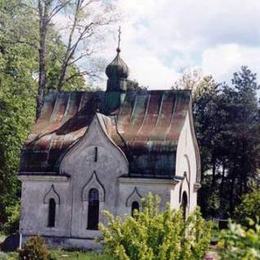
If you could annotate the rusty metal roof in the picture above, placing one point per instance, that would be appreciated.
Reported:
(146, 127)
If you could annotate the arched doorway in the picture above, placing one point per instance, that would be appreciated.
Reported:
(135, 206)
(51, 213)
(93, 209)
(184, 204)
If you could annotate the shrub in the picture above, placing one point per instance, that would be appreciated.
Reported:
(34, 249)
(239, 242)
(152, 234)
(13, 217)
(249, 207)
(3, 256)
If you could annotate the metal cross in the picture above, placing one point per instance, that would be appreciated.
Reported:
(119, 38)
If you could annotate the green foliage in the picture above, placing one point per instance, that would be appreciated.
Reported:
(3, 256)
(60, 254)
(249, 207)
(13, 216)
(34, 249)
(55, 54)
(17, 94)
(239, 242)
(227, 125)
(152, 234)
(19, 38)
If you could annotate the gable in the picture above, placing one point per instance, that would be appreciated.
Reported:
(95, 145)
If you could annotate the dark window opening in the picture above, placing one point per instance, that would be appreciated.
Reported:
(135, 206)
(184, 204)
(180, 192)
(52, 212)
(96, 154)
(93, 209)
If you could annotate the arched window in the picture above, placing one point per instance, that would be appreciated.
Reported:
(52, 212)
(93, 209)
(184, 204)
(135, 206)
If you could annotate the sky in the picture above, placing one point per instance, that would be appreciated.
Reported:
(162, 39)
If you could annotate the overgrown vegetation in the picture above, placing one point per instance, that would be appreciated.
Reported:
(240, 242)
(249, 208)
(13, 216)
(152, 234)
(34, 249)
(59, 254)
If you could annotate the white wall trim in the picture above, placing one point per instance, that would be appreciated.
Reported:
(146, 181)
(51, 178)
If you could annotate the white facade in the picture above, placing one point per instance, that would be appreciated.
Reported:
(96, 162)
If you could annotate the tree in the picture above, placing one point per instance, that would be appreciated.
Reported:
(208, 115)
(18, 89)
(190, 79)
(226, 119)
(242, 110)
(85, 19)
(17, 96)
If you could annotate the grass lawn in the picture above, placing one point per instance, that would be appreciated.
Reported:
(58, 254)
(69, 255)
(81, 255)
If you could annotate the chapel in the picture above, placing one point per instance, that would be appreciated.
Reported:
(105, 150)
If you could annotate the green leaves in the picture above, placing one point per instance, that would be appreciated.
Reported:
(227, 125)
(248, 211)
(152, 234)
(17, 95)
(239, 242)
(19, 37)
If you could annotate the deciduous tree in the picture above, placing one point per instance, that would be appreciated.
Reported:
(84, 20)
(226, 118)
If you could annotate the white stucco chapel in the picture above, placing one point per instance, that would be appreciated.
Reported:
(90, 151)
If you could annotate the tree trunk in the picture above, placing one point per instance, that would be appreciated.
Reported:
(222, 180)
(231, 202)
(70, 51)
(43, 27)
(62, 76)
(213, 171)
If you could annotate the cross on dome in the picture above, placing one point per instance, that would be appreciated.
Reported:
(117, 69)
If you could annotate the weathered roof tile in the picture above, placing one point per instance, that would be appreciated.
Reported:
(148, 123)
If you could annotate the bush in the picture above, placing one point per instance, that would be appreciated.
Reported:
(13, 217)
(34, 249)
(3, 256)
(239, 242)
(151, 234)
(249, 207)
